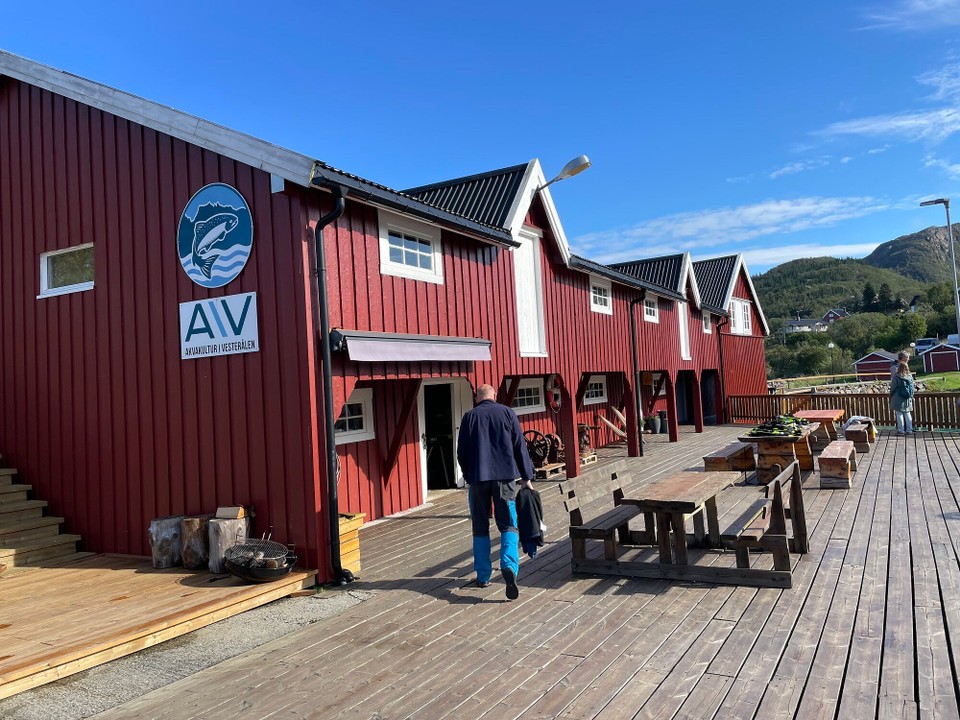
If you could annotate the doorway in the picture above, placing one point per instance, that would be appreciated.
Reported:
(684, 390)
(441, 405)
(438, 436)
(708, 396)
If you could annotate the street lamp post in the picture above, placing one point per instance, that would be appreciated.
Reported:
(953, 262)
(833, 361)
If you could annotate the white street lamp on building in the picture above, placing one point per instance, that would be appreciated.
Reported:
(953, 262)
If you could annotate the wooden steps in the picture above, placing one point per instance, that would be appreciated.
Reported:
(27, 536)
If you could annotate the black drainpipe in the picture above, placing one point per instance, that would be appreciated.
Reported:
(636, 368)
(723, 382)
(340, 575)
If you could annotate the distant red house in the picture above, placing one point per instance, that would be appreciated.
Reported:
(941, 358)
(875, 365)
(834, 315)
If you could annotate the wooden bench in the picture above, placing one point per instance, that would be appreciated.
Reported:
(736, 456)
(838, 461)
(610, 526)
(859, 436)
(762, 525)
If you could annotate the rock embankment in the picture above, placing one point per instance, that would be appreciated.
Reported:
(879, 387)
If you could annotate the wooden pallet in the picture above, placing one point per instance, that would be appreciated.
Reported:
(588, 459)
(549, 470)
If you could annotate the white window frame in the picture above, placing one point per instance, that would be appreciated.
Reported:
(527, 383)
(740, 320)
(654, 379)
(600, 380)
(602, 285)
(422, 231)
(45, 289)
(683, 326)
(707, 323)
(363, 397)
(651, 312)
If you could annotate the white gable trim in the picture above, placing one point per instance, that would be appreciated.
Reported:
(533, 179)
(688, 276)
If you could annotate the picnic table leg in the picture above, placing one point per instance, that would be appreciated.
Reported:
(831, 429)
(663, 538)
(699, 531)
(679, 539)
(713, 522)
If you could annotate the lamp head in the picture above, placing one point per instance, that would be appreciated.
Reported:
(938, 201)
(575, 166)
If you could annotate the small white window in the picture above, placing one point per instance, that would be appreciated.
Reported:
(529, 397)
(654, 381)
(355, 423)
(596, 390)
(740, 321)
(683, 313)
(66, 271)
(707, 328)
(410, 249)
(601, 299)
(651, 310)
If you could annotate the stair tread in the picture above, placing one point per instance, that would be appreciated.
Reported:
(14, 488)
(37, 543)
(15, 526)
(25, 505)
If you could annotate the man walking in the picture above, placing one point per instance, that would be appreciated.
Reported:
(493, 456)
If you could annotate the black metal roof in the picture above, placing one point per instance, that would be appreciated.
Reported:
(664, 272)
(713, 279)
(485, 198)
(595, 268)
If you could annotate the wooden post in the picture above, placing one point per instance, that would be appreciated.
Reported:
(223, 534)
(633, 421)
(195, 542)
(697, 404)
(568, 431)
(164, 537)
(673, 423)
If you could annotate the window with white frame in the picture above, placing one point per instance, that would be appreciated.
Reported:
(683, 314)
(740, 319)
(707, 328)
(596, 390)
(355, 423)
(529, 397)
(651, 310)
(410, 249)
(66, 271)
(601, 297)
(655, 383)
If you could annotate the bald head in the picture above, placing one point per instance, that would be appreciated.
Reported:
(485, 392)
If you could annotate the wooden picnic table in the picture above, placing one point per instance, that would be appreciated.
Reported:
(776, 452)
(672, 499)
(828, 420)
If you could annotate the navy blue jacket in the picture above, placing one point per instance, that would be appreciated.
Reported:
(491, 445)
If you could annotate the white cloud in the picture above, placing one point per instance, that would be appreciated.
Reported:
(878, 150)
(945, 82)
(935, 125)
(916, 15)
(738, 179)
(951, 169)
(759, 259)
(798, 167)
(723, 226)
(845, 160)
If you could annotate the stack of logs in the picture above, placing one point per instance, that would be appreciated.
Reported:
(198, 542)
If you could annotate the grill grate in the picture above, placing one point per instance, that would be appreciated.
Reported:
(258, 553)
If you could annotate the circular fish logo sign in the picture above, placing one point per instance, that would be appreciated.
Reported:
(215, 236)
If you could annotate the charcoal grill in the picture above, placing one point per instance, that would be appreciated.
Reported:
(260, 560)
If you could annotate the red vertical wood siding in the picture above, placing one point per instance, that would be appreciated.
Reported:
(101, 415)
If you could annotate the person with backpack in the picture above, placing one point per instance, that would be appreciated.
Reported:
(901, 398)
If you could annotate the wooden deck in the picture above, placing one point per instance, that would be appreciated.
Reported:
(59, 619)
(871, 627)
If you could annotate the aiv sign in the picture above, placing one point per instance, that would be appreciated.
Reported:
(219, 326)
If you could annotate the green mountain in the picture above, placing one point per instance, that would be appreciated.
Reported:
(810, 286)
(921, 255)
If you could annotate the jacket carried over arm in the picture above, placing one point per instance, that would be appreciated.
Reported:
(491, 445)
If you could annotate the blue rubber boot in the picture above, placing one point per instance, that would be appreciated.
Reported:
(481, 559)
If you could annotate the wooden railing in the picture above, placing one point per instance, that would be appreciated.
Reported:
(930, 410)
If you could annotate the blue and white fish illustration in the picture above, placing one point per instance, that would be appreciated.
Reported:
(208, 236)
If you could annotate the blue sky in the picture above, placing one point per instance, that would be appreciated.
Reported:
(751, 127)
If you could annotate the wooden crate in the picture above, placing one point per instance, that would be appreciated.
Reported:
(549, 470)
(350, 524)
(588, 459)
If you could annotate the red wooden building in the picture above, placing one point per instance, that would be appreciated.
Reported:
(874, 365)
(430, 292)
(941, 358)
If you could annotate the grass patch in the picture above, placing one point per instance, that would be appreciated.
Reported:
(942, 382)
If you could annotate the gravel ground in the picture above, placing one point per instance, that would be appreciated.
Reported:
(106, 686)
